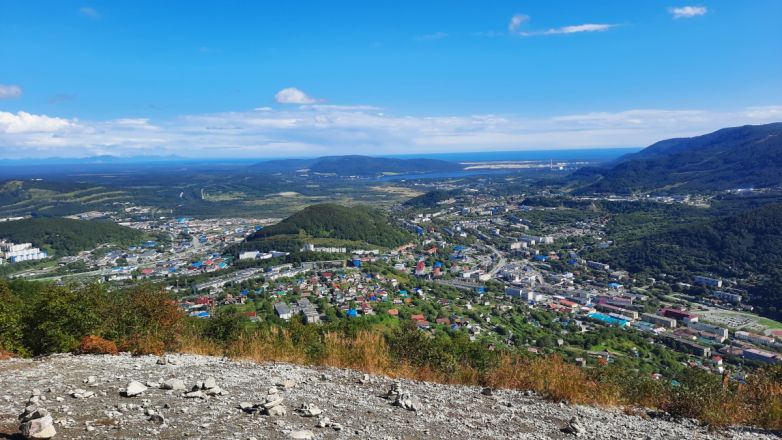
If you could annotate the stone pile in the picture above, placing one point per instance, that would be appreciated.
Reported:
(402, 399)
(574, 427)
(308, 410)
(272, 406)
(325, 422)
(201, 390)
(37, 423)
(167, 360)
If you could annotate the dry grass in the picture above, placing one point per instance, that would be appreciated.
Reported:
(551, 377)
(275, 345)
(757, 403)
(366, 352)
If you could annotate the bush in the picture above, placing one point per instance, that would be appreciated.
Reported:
(146, 321)
(226, 325)
(62, 316)
(96, 345)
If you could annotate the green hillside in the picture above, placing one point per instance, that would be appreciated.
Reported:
(63, 236)
(745, 245)
(430, 199)
(332, 221)
(738, 157)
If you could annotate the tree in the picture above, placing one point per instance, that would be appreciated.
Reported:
(62, 316)
(11, 328)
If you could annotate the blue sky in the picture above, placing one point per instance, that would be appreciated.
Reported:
(260, 79)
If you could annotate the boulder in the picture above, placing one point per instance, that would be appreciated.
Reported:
(214, 391)
(209, 383)
(286, 384)
(40, 428)
(278, 410)
(173, 384)
(302, 435)
(134, 388)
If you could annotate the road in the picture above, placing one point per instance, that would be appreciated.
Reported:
(501, 261)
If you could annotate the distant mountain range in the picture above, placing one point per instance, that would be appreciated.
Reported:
(738, 157)
(355, 165)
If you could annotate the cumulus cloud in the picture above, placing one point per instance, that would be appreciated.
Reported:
(23, 122)
(9, 91)
(332, 129)
(292, 95)
(90, 13)
(515, 23)
(688, 11)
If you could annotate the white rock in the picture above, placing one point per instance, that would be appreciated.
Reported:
(272, 401)
(302, 435)
(286, 384)
(41, 428)
(194, 395)
(173, 384)
(209, 383)
(278, 410)
(134, 388)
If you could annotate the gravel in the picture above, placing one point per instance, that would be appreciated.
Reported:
(227, 400)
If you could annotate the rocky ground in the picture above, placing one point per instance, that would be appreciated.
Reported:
(212, 398)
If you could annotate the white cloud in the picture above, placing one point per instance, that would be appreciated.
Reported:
(333, 129)
(23, 122)
(688, 11)
(516, 21)
(9, 91)
(579, 28)
(90, 13)
(292, 95)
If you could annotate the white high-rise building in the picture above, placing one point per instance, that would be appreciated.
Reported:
(16, 253)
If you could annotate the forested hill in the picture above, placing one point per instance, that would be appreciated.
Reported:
(430, 199)
(359, 165)
(738, 157)
(745, 245)
(354, 223)
(66, 236)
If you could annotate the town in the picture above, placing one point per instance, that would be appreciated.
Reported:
(490, 266)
